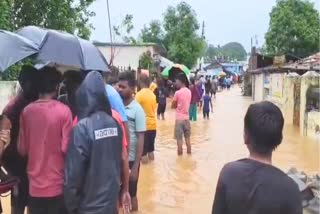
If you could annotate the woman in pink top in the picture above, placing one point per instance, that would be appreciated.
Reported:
(181, 102)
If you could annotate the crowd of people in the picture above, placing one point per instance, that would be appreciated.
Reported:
(76, 141)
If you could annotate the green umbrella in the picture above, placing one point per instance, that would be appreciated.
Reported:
(170, 70)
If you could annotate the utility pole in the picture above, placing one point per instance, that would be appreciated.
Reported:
(110, 31)
(203, 26)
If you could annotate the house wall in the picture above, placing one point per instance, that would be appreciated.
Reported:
(313, 119)
(125, 56)
(257, 87)
(8, 89)
(310, 120)
(288, 102)
(276, 88)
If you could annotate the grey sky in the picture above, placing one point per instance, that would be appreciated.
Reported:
(225, 20)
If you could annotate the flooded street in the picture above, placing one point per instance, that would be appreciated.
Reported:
(186, 184)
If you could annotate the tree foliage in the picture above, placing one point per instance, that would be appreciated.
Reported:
(68, 15)
(229, 51)
(5, 15)
(183, 43)
(153, 33)
(234, 50)
(146, 62)
(294, 28)
(178, 33)
(123, 30)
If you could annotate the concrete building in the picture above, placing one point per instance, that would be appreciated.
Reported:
(8, 89)
(127, 55)
(295, 88)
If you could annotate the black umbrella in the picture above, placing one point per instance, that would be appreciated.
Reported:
(64, 49)
(14, 48)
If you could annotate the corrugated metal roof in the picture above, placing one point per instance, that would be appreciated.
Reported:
(310, 63)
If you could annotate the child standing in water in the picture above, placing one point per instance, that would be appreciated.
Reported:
(207, 105)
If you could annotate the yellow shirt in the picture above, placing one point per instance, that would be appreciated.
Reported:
(153, 86)
(147, 99)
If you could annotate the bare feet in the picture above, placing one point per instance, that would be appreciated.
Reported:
(134, 202)
(151, 156)
(145, 159)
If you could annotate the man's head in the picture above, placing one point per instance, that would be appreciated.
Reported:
(263, 126)
(144, 81)
(126, 84)
(49, 80)
(28, 80)
(182, 81)
(72, 80)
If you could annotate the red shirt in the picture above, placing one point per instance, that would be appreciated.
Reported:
(45, 127)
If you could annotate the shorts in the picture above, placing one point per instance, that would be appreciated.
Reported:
(133, 185)
(149, 141)
(161, 108)
(182, 128)
(51, 205)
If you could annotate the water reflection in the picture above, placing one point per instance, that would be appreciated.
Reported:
(186, 184)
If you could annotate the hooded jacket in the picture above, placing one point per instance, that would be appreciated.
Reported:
(93, 161)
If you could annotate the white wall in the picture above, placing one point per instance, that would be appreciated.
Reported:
(306, 82)
(258, 87)
(126, 56)
(8, 90)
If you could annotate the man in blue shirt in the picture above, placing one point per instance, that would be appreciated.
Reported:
(116, 101)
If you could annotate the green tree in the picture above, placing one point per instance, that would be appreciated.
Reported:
(234, 51)
(124, 30)
(152, 33)
(68, 15)
(229, 51)
(181, 40)
(5, 15)
(294, 28)
(146, 62)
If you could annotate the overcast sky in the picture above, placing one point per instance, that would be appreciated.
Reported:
(225, 20)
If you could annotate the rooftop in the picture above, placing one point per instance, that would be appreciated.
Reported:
(107, 44)
(310, 63)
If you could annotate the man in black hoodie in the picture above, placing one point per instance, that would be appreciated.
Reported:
(93, 162)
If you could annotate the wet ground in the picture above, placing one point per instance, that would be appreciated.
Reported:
(186, 184)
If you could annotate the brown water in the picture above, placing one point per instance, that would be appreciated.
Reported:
(186, 184)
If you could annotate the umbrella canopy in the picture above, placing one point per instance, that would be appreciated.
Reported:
(14, 48)
(171, 71)
(64, 49)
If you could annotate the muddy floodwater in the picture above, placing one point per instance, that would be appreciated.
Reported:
(186, 184)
